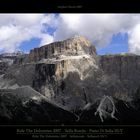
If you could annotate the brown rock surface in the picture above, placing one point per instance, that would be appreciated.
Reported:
(125, 67)
(74, 46)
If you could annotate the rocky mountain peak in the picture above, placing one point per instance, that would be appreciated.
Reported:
(75, 46)
(80, 39)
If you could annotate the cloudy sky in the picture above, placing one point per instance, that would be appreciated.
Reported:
(110, 33)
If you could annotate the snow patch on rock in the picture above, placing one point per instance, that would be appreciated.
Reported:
(106, 108)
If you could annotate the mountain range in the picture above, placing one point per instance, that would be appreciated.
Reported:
(67, 82)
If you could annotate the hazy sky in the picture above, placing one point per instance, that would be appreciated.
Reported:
(110, 33)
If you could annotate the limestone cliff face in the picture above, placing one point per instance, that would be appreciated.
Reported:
(126, 69)
(61, 71)
(74, 46)
(6, 60)
(3, 67)
(65, 79)
(61, 76)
